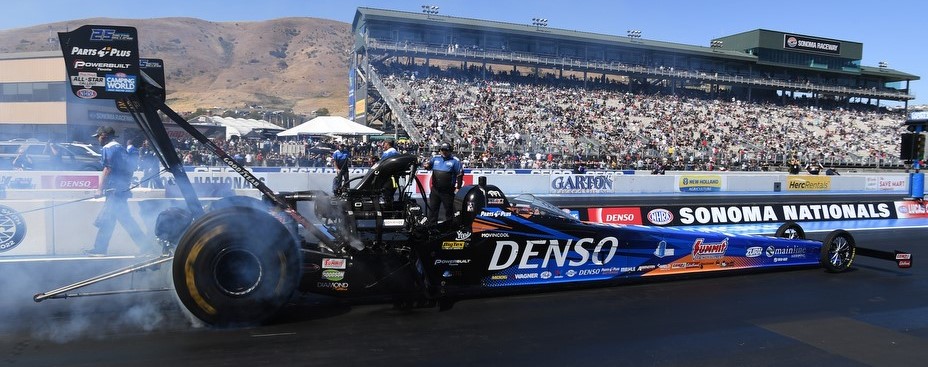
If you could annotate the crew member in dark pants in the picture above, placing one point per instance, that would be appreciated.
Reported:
(340, 159)
(814, 167)
(447, 177)
(794, 166)
(390, 185)
(115, 185)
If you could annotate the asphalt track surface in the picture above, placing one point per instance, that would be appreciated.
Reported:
(873, 315)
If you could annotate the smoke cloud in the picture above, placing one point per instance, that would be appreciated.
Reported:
(65, 320)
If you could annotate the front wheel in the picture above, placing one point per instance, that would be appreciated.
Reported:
(838, 250)
(236, 266)
(790, 230)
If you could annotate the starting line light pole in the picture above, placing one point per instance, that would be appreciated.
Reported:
(913, 148)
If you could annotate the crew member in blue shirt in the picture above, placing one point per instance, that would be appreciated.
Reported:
(115, 185)
(340, 160)
(447, 177)
(389, 187)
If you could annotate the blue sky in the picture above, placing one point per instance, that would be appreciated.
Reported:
(891, 31)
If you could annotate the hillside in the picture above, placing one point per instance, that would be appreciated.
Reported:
(288, 63)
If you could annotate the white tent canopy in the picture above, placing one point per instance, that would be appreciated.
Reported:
(237, 126)
(330, 125)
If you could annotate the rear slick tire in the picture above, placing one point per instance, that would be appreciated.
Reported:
(236, 266)
(838, 251)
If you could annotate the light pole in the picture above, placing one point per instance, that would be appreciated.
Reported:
(539, 23)
(430, 10)
(634, 34)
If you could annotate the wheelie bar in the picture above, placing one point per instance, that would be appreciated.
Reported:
(902, 259)
(57, 293)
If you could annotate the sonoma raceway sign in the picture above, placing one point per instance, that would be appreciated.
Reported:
(727, 214)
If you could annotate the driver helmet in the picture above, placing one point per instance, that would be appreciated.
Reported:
(444, 146)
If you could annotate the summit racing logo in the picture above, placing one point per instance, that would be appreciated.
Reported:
(507, 252)
(581, 184)
(12, 228)
(101, 52)
(705, 250)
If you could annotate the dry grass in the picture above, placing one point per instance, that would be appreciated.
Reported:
(289, 63)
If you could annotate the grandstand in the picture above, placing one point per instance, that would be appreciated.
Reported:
(528, 96)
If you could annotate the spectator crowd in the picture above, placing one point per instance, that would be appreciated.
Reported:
(519, 122)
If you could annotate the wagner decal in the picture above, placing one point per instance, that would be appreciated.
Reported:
(12, 228)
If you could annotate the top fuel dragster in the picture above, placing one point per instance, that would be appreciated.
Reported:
(242, 260)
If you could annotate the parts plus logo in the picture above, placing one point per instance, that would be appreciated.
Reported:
(12, 228)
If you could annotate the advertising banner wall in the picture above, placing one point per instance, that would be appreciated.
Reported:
(808, 183)
(685, 215)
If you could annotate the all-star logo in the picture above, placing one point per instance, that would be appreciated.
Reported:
(12, 228)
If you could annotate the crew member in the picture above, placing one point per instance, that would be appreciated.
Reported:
(22, 162)
(340, 160)
(794, 165)
(447, 177)
(390, 185)
(814, 167)
(115, 185)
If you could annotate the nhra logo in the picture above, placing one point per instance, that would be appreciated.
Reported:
(660, 217)
(12, 228)
(86, 93)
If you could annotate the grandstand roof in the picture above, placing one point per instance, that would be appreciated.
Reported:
(531, 30)
(365, 15)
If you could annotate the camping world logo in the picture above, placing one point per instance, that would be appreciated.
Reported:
(12, 228)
